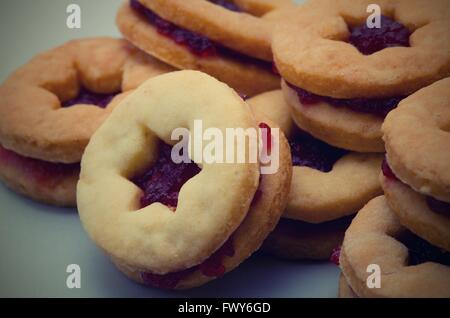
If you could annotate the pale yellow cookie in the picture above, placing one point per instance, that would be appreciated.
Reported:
(157, 242)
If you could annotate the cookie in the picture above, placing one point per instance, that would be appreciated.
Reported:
(409, 267)
(417, 138)
(314, 45)
(180, 46)
(328, 184)
(344, 290)
(172, 225)
(47, 114)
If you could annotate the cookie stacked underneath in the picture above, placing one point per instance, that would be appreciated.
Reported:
(407, 232)
(226, 39)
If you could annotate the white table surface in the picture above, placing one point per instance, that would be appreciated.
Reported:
(38, 242)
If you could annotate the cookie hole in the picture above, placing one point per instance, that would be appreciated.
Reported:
(87, 97)
(420, 251)
(391, 33)
(163, 179)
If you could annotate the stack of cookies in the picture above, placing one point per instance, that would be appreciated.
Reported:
(407, 231)
(358, 100)
(226, 39)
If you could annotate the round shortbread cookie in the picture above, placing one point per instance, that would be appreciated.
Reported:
(374, 238)
(312, 49)
(156, 241)
(47, 111)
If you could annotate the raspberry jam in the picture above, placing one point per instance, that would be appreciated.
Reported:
(266, 136)
(308, 151)
(335, 255)
(387, 171)
(196, 43)
(212, 267)
(420, 251)
(162, 181)
(40, 171)
(379, 107)
(435, 205)
(438, 206)
(90, 98)
(371, 40)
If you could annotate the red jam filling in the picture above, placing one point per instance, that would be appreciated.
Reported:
(308, 151)
(435, 205)
(162, 181)
(89, 98)
(212, 267)
(266, 136)
(420, 251)
(40, 171)
(376, 106)
(370, 40)
(196, 43)
(335, 255)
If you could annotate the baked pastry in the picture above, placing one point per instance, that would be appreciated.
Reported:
(409, 266)
(46, 113)
(416, 173)
(177, 226)
(342, 78)
(329, 185)
(210, 36)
